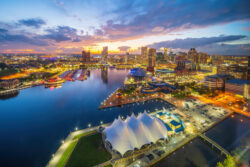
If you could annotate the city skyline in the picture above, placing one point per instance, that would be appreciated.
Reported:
(71, 26)
(125, 83)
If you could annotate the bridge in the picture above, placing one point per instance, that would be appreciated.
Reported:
(214, 144)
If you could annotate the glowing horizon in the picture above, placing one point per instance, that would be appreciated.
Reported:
(60, 26)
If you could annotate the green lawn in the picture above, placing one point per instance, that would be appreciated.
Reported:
(109, 165)
(84, 134)
(89, 152)
(66, 154)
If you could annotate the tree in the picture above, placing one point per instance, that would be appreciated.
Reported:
(228, 162)
(219, 164)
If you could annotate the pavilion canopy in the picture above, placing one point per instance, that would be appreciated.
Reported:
(134, 132)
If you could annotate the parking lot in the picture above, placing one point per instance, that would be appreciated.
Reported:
(196, 117)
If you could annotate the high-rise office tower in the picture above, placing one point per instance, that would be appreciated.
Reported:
(126, 58)
(85, 56)
(204, 58)
(248, 69)
(105, 54)
(151, 57)
(194, 57)
(165, 54)
(144, 55)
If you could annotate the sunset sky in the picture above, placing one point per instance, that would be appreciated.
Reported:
(68, 26)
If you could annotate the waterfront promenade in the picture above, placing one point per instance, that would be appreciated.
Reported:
(113, 101)
(4, 92)
(65, 144)
(177, 141)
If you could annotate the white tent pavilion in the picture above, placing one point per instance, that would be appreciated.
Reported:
(134, 132)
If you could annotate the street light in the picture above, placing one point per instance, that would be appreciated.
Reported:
(89, 125)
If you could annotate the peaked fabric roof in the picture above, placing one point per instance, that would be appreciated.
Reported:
(134, 132)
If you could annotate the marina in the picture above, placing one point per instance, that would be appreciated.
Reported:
(78, 119)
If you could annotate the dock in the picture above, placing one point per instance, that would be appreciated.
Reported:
(10, 91)
(113, 101)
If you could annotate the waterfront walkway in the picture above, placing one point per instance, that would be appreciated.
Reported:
(168, 150)
(4, 92)
(113, 101)
(65, 143)
(58, 155)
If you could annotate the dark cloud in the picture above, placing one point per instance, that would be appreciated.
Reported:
(63, 33)
(33, 22)
(124, 48)
(52, 35)
(226, 49)
(212, 45)
(66, 33)
(196, 42)
(132, 19)
(3, 30)
(158, 17)
(6, 37)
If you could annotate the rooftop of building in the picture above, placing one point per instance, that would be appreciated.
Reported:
(134, 132)
(137, 72)
(219, 76)
(165, 71)
(239, 81)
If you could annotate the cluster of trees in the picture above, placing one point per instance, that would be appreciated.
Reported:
(228, 162)
(5, 70)
(34, 76)
(182, 90)
(197, 89)
(180, 94)
(128, 91)
(182, 86)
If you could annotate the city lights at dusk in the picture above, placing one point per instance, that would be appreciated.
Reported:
(125, 83)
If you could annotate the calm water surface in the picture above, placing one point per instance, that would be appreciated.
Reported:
(33, 124)
(193, 154)
(231, 133)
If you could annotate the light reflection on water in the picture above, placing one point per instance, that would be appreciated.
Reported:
(232, 132)
(194, 154)
(33, 123)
